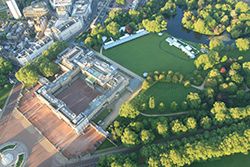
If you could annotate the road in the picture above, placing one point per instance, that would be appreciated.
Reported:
(92, 160)
(12, 99)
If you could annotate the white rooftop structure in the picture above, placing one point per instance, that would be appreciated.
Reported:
(66, 28)
(14, 9)
(125, 38)
(187, 49)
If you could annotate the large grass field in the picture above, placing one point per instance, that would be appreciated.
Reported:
(4, 93)
(150, 53)
(237, 160)
(167, 93)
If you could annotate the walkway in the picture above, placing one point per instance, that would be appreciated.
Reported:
(12, 100)
(92, 160)
(201, 87)
(164, 115)
(115, 110)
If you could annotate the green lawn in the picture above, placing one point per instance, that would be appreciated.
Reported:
(237, 160)
(4, 92)
(101, 116)
(168, 92)
(150, 53)
(106, 144)
(7, 147)
(20, 160)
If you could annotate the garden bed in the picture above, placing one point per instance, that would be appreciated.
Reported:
(8, 147)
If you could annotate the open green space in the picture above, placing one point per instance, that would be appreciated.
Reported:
(102, 115)
(150, 53)
(106, 144)
(20, 160)
(7, 147)
(168, 92)
(237, 160)
(4, 93)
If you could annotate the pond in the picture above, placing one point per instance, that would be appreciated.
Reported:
(176, 29)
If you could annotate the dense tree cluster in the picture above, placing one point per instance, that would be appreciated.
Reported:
(118, 161)
(152, 17)
(27, 75)
(222, 113)
(243, 44)
(44, 65)
(214, 17)
(211, 144)
(5, 69)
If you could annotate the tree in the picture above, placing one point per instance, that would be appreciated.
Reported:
(207, 61)
(116, 130)
(127, 110)
(147, 136)
(242, 44)
(191, 123)
(145, 85)
(129, 163)
(174, 106)
(129, 137)
(216, 44)
(120, 2)
(206, 122)
(241, 7)
(47, 68)
(27, 75)
(220, 111)
(157, 25)
(89, 41)
(113, 28)
(3, 79)
(162, 106)
(5, 66)
(193, 100)
(151, 103)
(178, 126)
(153, 162)
(169, 9)
(162, 128)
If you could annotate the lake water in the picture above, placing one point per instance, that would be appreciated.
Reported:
(176, 29)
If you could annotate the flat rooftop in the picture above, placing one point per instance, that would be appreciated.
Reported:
(77, 96)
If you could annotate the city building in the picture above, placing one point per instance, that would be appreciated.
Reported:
(14, 9)
(82, 8)
(16, 31)
(36, 9)
(89, 84)
(34, 50)
(65, 29)
(60, 3)
(62, 7)
(3, 6)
